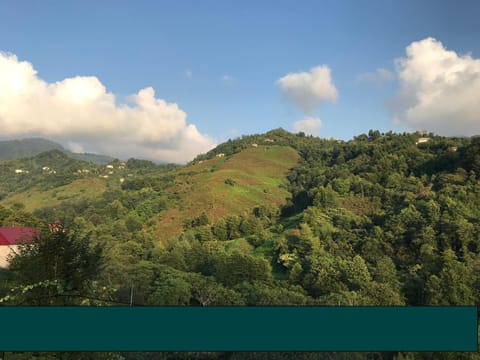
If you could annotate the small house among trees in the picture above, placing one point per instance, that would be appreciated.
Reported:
(422, 140)
(11, 238)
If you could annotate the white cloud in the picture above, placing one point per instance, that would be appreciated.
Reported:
(439, 90)
(188, 74)
(79, 111)
(309, 90)
(379, 77)
(309, 125)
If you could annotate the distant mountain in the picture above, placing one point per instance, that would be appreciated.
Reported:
(25, 148)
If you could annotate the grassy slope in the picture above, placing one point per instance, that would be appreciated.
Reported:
(34, 198)
(257, 172)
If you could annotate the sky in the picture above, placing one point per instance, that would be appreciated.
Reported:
(166, 80)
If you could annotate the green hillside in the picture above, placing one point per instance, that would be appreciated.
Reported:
(36, 198)
(220, 186)
(53, 177)
(228, 185)
(267, 219)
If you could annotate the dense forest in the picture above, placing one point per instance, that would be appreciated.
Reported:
(382, 219)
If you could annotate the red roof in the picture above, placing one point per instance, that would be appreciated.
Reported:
(17, 235)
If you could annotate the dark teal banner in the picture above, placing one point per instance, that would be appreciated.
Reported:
(238, 328)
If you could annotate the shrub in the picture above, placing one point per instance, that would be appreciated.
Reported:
(230, 182)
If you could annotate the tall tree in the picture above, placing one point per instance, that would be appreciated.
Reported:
(55, 269)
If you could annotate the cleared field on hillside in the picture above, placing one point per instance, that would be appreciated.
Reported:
(34, 198)
(254, 174)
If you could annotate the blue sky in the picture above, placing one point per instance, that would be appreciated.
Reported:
(220, 62)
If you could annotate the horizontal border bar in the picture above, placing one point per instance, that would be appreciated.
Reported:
(239, 328)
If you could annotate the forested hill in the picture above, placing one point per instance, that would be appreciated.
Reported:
(25, 148)
(275, 218)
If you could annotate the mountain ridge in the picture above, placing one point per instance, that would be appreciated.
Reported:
(29, 147)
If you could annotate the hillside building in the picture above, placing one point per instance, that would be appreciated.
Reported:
(422, 140)
(11, 238)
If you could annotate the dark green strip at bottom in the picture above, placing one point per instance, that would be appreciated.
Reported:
(238, 328)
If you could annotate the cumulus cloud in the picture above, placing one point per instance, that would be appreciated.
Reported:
(379, 77)
(439, 90)
(309, 90)
(309, 125)
(79, 112)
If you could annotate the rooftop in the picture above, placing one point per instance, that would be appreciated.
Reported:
(16, 235)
